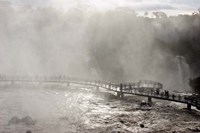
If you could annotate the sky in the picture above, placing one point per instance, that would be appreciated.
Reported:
(175, 6)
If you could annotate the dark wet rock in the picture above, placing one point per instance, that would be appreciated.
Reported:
(122, 121)
(145, 106)
(195, 84)
(27, 120)
(142, 125)
(106, 122)
(196, 130)
(123, 115)
(14, 120)
(143, 103)
(116, 132)
(28, 131)
(114, 107)
(169, 106)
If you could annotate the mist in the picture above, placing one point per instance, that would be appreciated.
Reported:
(114, 45)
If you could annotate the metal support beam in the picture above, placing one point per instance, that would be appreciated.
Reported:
(121, 92)
(118, 95)
(189, 106)
(149, 99)
(122, 95)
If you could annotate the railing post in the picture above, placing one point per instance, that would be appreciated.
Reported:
(130, 88)
(121, 91)
(173, 97)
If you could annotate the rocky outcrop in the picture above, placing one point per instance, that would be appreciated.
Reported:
(27, 120)
(195, 84)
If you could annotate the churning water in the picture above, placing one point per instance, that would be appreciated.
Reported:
(56, 108)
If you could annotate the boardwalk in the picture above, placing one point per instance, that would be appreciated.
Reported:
(120, 89)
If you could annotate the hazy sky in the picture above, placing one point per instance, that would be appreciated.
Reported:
(138, 4)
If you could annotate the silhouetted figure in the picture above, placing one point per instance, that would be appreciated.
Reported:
(121, 91)
(166, 94)
(130, 88)
(162, 94)
(151, 92)
(157, 92)
(121, 87)
(173, 96)
(179, 97)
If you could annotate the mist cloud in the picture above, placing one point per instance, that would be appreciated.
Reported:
(114, 45)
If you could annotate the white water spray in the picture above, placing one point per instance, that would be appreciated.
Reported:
(183, 73)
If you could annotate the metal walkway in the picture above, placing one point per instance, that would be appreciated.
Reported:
(120, 89)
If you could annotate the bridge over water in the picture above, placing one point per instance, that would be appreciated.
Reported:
(121, 89)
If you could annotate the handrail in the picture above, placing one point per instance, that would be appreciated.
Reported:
(126, 88)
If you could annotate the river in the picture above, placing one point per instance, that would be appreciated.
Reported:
(57, 108)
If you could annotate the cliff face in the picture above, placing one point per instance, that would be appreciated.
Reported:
(195, 84)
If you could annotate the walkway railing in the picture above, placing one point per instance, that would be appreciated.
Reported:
(121, 89)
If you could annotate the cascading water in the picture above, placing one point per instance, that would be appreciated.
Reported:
(183, 73)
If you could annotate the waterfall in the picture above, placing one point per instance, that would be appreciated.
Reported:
(183, 73)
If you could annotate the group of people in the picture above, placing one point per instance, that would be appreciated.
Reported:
(166, 94)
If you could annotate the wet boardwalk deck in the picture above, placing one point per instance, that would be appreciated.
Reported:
(120, 89)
